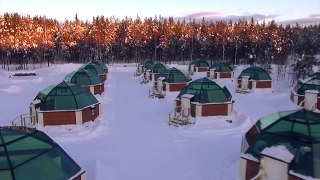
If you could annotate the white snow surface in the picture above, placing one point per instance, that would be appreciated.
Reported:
(131, 139)
(279, 152)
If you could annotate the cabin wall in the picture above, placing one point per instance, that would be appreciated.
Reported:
(193, 109)
(263, 84)
(87, 88)
(224, 75)
(256, 84)
(214, 109)
(98, 89)
(238, 83)
(201, 69)
(250, 84)
(59, 118)
(208, 74)
(292, 177)
(166, 87)
(81, 176)
(90, 114)
(173, 87)
(252, 169)
(178, 103)
(297, 99)
(103, 77)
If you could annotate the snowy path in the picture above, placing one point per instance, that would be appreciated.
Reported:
(134, 141)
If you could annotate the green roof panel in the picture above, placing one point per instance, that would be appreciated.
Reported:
(298, 131)
(101, 64)
(206, 91)
(33, 155)
(310, 83)
(94, 68)
(174, 75)
(157, 68)
(83, 77)
(66, 96)
(199, 63)
(146, 64)
(255, 73)
(221, 67)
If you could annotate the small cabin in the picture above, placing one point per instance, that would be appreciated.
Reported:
(253, 78)
(306, 93)
(87, 79)
(202, 97)
(199, 65)
(31, 154)
(96, 69)
(155, 70)
(220, 71)
(101, 64)
(171, 80)
(143, 66)
(152, 72)
(64, 104)
(283, 145)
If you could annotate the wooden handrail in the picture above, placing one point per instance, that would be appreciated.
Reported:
(21, 120)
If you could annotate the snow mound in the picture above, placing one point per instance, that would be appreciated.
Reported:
(12, 89)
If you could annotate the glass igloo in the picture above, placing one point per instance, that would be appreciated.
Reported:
(30, 154)
(298, 131)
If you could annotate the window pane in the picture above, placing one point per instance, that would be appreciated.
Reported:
(53, 165)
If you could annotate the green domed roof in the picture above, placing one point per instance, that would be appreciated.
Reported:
(31, 154)
(221, 67)
(146, 64)
(255, 73)
(298, 131)
(157, 68)
(174, 75)
(101, 64)
(65, 96)
(199, 63)
(206, 91)
(310, 83)
(83, 77)
(93, 68)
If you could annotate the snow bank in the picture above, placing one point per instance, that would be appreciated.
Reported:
(12, 89)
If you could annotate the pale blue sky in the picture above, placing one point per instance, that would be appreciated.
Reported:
(280, 10)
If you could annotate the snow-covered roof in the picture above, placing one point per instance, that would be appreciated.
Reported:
(312, 91)
(249, 157)
(37, 101)
(187, 96)
(279, 152)
(246, 77)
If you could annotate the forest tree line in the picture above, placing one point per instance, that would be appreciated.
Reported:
(25, 39)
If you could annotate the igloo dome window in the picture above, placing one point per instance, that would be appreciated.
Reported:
(32, 154)
(298, 131)
(206, 91)
(65, 96)
(174, 75)
(255, 73)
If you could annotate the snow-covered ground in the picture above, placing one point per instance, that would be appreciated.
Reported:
(131, 139)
